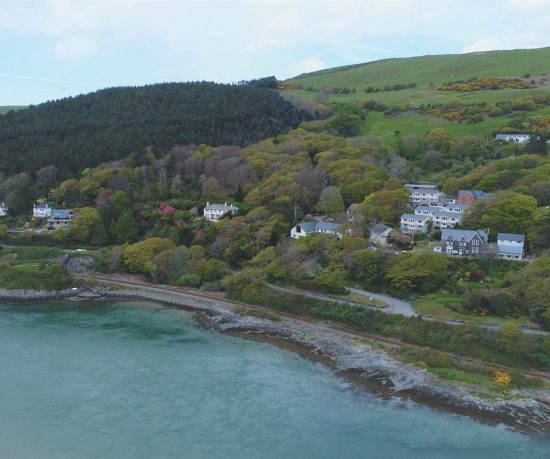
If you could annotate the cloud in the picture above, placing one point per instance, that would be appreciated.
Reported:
(223, 40)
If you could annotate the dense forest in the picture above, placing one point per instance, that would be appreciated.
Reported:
(83, 131)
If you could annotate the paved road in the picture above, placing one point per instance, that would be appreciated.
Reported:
(395, 305)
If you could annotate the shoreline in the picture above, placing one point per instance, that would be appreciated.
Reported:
(373, 369)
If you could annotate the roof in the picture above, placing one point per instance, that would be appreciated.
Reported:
(506, 136)
(476, 193)
(62, 213)
(421, 186)
(41, 206)
(379, 228)
(225, 207)
(446, 213)
(458, 206)
(315, 226)
(511, 249)
(458, 234)
(511, 237)
(326, 226)
(307, 227)
(421, 218)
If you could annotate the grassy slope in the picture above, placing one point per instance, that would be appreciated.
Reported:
(423, 71)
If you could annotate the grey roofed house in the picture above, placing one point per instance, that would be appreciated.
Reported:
(463, 242)
(511, 237)
(510, 246)
(463, 233)
(311, 227)
(379, 234)
(379, 228)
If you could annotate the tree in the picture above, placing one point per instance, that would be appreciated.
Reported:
(83, 224)
(136, 255)
(386, 206)
(330, 201)
(125, 228)
(538, 234)
(418, 271)
(510, 212)
(3, 231)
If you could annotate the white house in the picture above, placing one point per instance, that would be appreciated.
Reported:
(3, 210)
(379, 234)
(424, 194)
(213, 212)
(513, 138)
(41, 211)
(305, 228)
(414, 223)
(510, 246)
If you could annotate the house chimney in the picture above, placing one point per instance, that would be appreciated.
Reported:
(207, 203)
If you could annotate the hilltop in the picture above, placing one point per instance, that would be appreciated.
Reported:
(419, 78)
(83, 131)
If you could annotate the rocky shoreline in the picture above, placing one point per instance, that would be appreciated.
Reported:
(373, 368)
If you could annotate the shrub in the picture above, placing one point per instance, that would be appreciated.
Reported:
(189, 280)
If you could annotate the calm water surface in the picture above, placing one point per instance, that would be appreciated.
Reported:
(120, 381)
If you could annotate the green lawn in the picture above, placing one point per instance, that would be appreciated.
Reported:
(434, 305)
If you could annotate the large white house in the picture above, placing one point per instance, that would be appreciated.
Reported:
(513, 138)
(414, 223)
(41, 211)
(3, 210)
(315, 227)
(424, 194)
(213, 212)
(442, 217)
(510, 246)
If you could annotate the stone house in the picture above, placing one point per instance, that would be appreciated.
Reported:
(379, 234)
(464, 242)
(60, 218)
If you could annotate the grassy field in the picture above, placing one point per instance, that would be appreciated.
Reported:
(431, 69)
(434, 305)
(428, 72)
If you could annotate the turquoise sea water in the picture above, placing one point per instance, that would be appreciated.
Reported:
(135, 381)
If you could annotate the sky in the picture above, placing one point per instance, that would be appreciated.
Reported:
(56, 48)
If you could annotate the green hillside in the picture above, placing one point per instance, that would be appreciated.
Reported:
(427, 73)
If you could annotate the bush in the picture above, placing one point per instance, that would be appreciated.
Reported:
(189, 280)
(213, 286)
